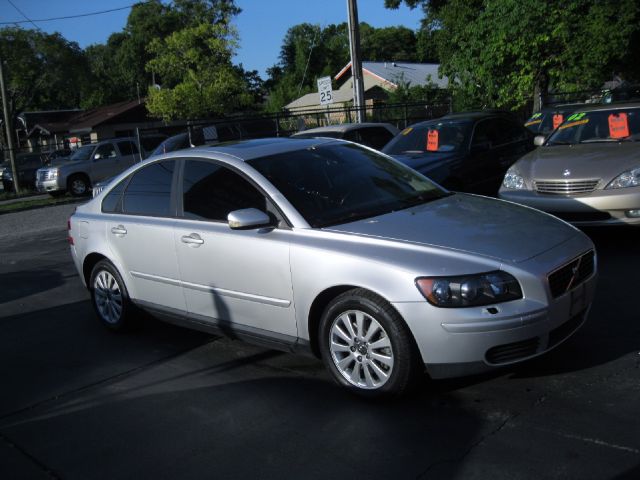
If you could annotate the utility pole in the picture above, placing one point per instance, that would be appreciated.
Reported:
(356, 63)
(8, 129)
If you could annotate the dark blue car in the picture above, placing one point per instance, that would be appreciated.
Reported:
(468, 152)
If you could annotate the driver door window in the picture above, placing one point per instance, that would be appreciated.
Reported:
(106, 150)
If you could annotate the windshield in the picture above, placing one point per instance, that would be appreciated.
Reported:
(434, 137)
(341, 183)
(601, 126)
(547, 121)
(82, 154)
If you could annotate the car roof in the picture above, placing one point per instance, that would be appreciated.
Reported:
(343, 127)
(594, 107)
(477, 114)
(262, 147)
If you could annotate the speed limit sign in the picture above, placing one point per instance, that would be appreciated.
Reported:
(324, 90)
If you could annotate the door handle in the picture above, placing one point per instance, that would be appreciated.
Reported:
(192, 240)
(119, 230)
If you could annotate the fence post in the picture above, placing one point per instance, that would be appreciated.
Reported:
(277, 125)
(406, 115)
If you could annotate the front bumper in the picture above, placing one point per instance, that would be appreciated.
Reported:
(463, 341)
(48, 186)
(598, 208)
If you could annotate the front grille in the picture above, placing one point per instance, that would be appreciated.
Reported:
(44, 175)
(572, 274)
(558, 334)
(565, 187)
(511, 352)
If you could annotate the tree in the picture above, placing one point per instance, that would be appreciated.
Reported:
(43, 71)
(309, 52)
(504, 52)
(198, 77)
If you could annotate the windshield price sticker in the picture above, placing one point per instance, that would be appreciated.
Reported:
(532, 122)
(573, 124)
(557, 120)
(407, 131)
(618, 125)
(432, 141)
(576, 116)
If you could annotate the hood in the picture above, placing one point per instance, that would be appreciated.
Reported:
(583, 161)
(423, 162)
(471, 224)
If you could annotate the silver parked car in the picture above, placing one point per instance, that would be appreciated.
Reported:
(87, 165)
(326, 247)
(587, 172)
(374, 135)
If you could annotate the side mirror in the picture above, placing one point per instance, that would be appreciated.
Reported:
(248, 219)
(539, 140)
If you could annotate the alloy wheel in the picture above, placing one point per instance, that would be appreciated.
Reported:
(108, 297)
(361, 349)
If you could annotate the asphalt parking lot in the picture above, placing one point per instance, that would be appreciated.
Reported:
(79, 402)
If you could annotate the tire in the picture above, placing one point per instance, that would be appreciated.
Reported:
(110, 298)
(78, 185)
(367, 347)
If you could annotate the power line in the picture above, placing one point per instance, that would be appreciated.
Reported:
(22, 13)
(71, 16)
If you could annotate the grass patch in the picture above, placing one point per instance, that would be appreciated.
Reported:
(27, 204)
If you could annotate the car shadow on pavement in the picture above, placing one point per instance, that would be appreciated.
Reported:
(16, 285)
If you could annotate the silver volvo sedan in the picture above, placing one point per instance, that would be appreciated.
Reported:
(327, 247)
(587, 172)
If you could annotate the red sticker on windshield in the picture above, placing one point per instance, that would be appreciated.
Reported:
(432, 140)
(618, 125)
(557, 120)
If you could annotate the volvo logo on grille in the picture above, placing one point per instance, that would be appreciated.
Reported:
(574, 274)
(566, 172)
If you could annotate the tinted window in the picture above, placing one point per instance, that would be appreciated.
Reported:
(127, 148)
(333, 184)
(599, 126)
(211, 191)
(111, 202)
(375, 137)
(451, 136)
(149, 191)
(106, 150)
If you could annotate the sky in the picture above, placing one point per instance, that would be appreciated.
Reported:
(262, 24)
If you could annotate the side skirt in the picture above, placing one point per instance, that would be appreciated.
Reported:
(256, 336)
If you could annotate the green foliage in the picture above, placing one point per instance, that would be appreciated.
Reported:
(43, 71)
(309, 52)
(503, 52)
(198, 77)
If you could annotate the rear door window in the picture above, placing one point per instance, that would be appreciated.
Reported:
(149, 191)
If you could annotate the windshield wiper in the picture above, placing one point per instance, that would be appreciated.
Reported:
(549, 144)
(600, 140)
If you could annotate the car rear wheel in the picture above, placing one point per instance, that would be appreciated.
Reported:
(367, 347)
(78, 185)
(110, 298)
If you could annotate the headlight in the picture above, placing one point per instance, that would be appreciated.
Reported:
(53, 174)
(626, 179)
(469, 290)
(513, 179)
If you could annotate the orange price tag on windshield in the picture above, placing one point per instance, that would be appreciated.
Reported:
(432, 141)
(557, 120)
(618, 125)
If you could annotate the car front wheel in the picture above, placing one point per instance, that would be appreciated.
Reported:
(110, 298)
(78, 185)
(367, 347)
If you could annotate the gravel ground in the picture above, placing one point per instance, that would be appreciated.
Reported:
(36, 221)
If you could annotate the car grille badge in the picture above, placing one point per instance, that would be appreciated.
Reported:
(566, 172)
